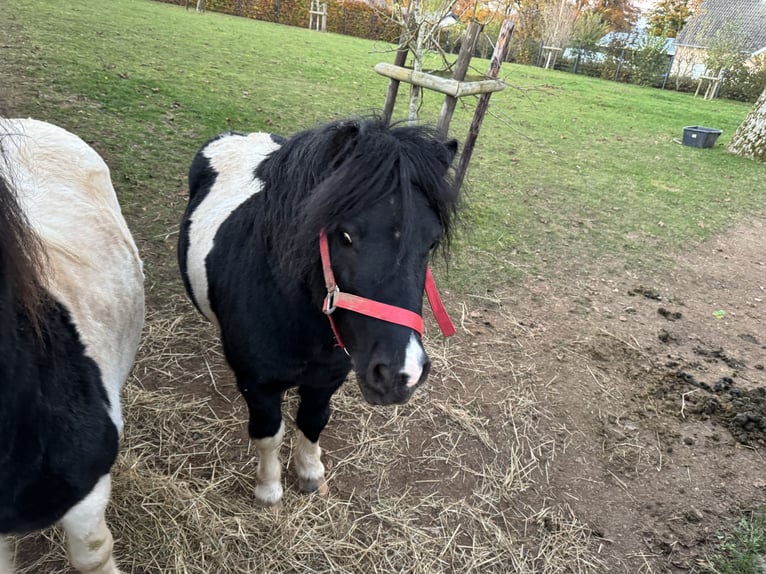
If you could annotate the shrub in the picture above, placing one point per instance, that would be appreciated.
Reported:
(682, 83)
(650, 62)
(744, 84)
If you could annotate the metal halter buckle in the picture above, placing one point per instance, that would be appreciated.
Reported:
(329, 302)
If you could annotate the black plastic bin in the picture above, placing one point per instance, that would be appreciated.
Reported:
(699, 136)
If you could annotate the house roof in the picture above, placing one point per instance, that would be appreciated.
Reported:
(711, 16)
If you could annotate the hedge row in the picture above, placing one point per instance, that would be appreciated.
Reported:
(349, 18)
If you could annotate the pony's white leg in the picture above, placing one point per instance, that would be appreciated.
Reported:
(6, 565)
(269, 471)
(88, 539)
(308, 465)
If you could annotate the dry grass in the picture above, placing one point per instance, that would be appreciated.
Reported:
(433, 486)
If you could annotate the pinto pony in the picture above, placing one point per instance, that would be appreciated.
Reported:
(340, 219)
(71, 313)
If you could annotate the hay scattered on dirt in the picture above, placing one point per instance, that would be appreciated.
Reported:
(427, 487)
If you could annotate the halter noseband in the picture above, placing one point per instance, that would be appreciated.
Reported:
(338, 299)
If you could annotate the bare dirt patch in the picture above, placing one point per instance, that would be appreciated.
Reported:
(659, 381)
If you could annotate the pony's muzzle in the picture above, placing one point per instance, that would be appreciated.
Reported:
(384, 385)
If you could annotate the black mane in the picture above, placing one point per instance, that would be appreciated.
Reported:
(322, 176)
(21, 254)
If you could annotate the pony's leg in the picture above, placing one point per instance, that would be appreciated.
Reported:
(88, 539)
(267, 429)
(268, 491)
(6, 566)
(312, 417)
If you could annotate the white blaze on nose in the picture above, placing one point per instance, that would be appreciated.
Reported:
(414, 359)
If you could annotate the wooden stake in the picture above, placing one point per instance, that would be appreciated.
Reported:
(453, 88)
(498, 56)
(461, 68)
(399, 60)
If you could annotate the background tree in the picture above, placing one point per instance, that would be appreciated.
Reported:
(750, 138)
(619, 15)
(727, 49)
(668, 17)
(528, 32)
(650, 61)
(589, 28)
(558, 23)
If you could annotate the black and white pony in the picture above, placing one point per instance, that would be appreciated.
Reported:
(342, 218)
(71, 313)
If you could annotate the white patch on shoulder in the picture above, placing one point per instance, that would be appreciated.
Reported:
(414, 359)
(234, 159)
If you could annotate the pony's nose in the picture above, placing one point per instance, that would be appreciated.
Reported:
(379, 376)
(382, 378)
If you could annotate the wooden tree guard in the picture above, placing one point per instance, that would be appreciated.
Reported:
(399, 60)
(318, 16)
(454, 87)
(461, 68)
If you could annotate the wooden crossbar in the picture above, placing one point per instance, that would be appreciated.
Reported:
(447, 86)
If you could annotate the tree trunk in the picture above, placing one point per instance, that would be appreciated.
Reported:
(750, 138)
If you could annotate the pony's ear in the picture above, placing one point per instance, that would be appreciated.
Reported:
(451, 147)
(341, 140)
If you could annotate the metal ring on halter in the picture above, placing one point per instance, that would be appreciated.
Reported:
(329, 302)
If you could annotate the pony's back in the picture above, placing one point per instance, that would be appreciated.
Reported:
(65, 192)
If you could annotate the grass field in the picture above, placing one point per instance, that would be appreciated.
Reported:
(565, 167)
(569, 174)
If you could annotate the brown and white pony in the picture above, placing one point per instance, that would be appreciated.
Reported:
(71, 314)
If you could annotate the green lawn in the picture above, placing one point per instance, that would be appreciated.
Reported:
(569, 172)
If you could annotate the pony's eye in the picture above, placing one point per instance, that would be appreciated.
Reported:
(345, 238)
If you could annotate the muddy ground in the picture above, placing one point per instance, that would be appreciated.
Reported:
(655, 393)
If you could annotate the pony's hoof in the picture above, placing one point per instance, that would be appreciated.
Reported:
(314, 485)
(268, 494)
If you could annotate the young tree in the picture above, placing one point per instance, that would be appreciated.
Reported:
(558, 22)
(750, 138)
(420, 24)
(668, 17)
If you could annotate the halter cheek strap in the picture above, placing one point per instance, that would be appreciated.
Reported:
(338, 299)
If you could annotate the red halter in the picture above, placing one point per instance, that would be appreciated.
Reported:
(337, 298)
